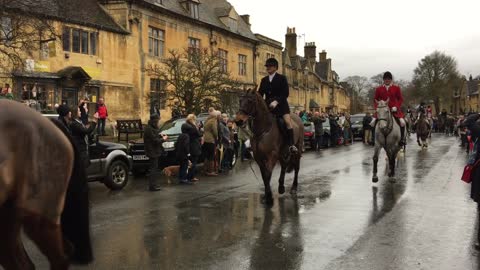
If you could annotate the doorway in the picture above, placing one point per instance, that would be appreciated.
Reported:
(70, 96)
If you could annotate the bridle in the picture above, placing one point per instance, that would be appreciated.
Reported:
(251, 119)
(386, 131)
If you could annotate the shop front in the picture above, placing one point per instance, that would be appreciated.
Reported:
(43, 90)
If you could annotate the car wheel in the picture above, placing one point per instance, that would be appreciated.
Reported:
(117, 176)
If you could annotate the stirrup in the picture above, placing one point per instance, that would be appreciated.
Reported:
(293, 149)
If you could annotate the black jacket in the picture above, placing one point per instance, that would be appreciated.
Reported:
(154, 110)
(366, 122)
(318, 122)
(83, 113)
(277, 90)
(152, 140)
(225, 138)
(182, 147)
(80, 134)
(195, 136)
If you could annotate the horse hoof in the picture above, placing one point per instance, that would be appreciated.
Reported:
(281, 190)
(267, 200)
(375, 179)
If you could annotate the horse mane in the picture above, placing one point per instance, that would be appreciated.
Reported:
(262, 114)
(260, 102)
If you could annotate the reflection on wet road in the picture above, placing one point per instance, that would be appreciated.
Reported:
(339, 220)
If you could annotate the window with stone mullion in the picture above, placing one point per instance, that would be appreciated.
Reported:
(156, 41)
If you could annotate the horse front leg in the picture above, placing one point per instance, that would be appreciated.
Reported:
(266, 176)
(281, 180)
(375, 163)
(391, 164)
(418, 139)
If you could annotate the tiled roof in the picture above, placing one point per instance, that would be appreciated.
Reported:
(321, 68)
(472, 87)
(210, 12)
(81, 12)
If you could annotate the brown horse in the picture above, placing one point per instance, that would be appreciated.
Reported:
(423, 130)
(268, 144)
(43, 189)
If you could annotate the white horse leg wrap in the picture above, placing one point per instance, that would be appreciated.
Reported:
(402, 122)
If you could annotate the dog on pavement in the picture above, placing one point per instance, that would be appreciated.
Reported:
(174, 170)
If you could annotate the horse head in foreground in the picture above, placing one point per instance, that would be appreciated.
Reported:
(387, 136)
(43, 189)
(268, 142)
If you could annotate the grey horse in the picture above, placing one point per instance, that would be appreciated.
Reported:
(387, 136)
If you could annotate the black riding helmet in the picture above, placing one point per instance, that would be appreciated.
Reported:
(271, 62)
(388, 75)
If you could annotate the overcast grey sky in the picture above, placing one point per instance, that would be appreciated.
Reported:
(366, 37)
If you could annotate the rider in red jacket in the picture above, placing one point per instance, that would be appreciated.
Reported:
(392, 93)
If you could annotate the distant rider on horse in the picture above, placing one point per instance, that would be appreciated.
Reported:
(274, 89)
(392, 93)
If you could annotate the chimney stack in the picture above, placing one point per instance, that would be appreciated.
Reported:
(246, 18)
(323, 56)
(310, 51)
(291, 42)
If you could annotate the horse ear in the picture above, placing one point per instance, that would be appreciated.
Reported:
(388, 99)
(376, 101)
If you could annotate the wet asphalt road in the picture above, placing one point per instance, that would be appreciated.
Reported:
(339, 220)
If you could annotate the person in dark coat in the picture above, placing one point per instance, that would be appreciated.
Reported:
(84, 111)
(154, 108)
(183, 155)
(226, 142)
(367, 129)
(64, 116)
(274, 89)
(472, 123)
(81, 134)
(334, 127)
(176, 112)
(318, 123)
(153, 141)
(190, 128)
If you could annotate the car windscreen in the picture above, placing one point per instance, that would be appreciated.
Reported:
(357, 120)
(172, 127)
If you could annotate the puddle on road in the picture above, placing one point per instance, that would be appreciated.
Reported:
(331, 211)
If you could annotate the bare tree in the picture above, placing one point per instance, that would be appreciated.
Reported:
(435, 76)
(195, 79)
(358, 84)
(24, 28)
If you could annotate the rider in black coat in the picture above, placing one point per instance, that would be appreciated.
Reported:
(80, 134)
(274, 89)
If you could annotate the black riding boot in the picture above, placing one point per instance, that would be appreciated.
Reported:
(291, 143)
(402, 138)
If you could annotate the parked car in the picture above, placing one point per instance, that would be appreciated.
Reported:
(171, 128)
(109, 162)
(357, 125)
(309, 135)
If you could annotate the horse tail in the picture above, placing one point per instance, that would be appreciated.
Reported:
(75, 218)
